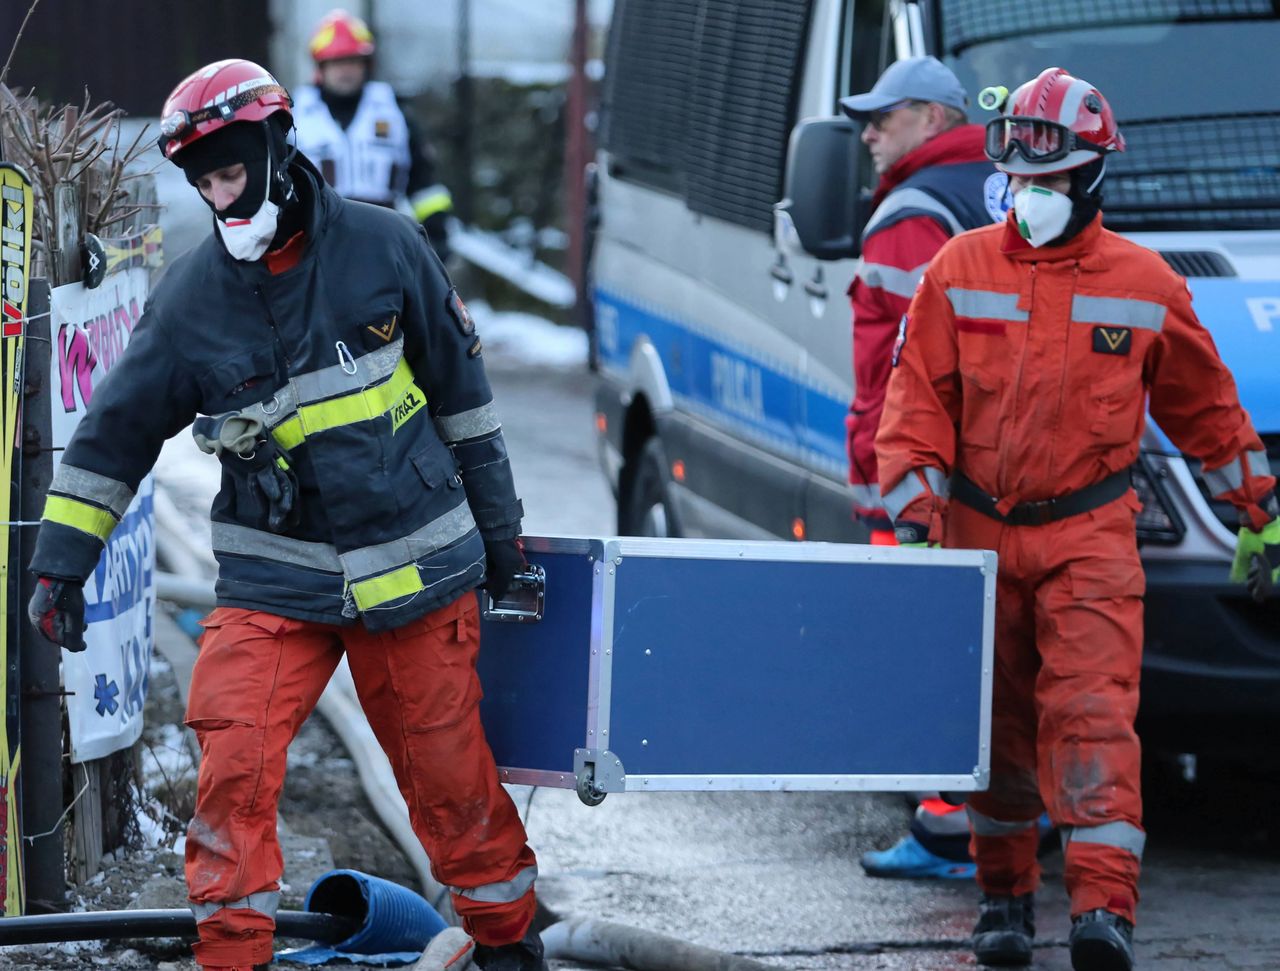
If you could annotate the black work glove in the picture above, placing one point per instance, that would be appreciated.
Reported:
(56, 610)
(247, 447)
(504, 560)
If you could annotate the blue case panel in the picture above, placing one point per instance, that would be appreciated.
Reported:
(535, 675)
(760, 667)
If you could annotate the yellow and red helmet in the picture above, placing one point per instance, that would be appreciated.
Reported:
(215, 96)
(340, 34)
(1054, 123)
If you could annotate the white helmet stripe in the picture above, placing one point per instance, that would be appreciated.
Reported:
(1071, 101)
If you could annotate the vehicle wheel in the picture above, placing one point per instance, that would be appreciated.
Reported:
(647, 509)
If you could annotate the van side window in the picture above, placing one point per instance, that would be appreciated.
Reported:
(699, 100)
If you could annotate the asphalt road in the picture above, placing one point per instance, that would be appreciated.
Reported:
(775, 875)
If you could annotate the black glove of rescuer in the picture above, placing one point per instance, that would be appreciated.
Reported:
(504, 559)
(56, 610)
(242, 442)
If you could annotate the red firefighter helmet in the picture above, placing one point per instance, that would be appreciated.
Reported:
(1053, 123)
(214, 97)
(340, 34)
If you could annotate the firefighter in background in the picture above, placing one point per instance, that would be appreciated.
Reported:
(322, 354)
(1022, 375)
(934, 183)
(357, 132)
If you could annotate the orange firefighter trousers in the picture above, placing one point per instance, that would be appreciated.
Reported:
(255, 682)
(1068, 650)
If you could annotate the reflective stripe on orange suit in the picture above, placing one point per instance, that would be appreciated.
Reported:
(1028, 370)
(257, 679)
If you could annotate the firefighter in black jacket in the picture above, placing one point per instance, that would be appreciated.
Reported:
(325, 359)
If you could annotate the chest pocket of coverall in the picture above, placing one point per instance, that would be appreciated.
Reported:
(1116, 409)
(437, 467)
(980, 409)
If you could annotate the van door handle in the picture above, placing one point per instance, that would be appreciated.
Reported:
(782, 273)
(816, 289)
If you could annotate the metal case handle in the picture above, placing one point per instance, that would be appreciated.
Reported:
(524, 599)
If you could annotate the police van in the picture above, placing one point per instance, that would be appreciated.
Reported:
(722, 328)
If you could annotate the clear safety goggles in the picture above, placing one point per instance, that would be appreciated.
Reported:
(1035, 139)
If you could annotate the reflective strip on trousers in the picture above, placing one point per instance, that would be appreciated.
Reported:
(1231, 476)
(901, 283)
(1119, 311)
(429, 201)
(91, 486)
(349, 409)
(1121, 835)
(911, 199)
(984, 825)
(986, 305)
(267, 902)
(911, 486)
(468, 424)
(506, 892)
(93, 520)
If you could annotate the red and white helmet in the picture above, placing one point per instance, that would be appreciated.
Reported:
(340, 34)
(1053, 123)
(215, 96)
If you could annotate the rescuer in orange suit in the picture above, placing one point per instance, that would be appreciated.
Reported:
(1021, 375)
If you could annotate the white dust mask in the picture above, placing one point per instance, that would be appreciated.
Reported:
(1042, 214)
(247, 239)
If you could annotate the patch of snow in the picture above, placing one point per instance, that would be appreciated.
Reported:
(511, 337)
(490, 252)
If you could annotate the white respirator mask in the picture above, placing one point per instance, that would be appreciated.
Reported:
(1041, 214)
(247, 239)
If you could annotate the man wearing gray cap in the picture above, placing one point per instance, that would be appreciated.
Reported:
(935, 182)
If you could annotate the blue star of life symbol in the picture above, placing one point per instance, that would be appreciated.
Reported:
(105, 692)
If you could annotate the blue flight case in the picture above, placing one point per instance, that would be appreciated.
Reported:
(690, 664)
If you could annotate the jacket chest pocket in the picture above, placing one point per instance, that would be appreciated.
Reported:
(980, 410)
(239, 381)
(1115, 410)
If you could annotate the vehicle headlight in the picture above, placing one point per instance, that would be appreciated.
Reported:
(1158, 522)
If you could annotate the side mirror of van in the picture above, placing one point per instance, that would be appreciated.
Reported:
(823, 210)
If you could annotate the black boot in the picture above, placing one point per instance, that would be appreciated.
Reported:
(1004, 931)
(1101, 941)
(524, 955)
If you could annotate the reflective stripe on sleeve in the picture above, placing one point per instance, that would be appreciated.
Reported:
(1122, 835)
(1229, 477)
(429, 201)
(901, 283)
(937, 480)
(986, 305)
(266, 902)
(87, 518)
(505, 892)
(1120, 311)
(91, 486)
(911, 486)
(867, 496)
(468, 424)
(984, 825)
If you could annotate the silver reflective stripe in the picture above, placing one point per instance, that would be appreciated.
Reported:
(244, 541)
(867, 496)
(333, 380)
(911, 199)
(1123, 836)
(986, 304)
(267, 902)
(370, 560)
(468, 424)
(1120, 311)
(281, 405)
(1231, 475)
(986, 826)
(937, 480)
(897, 498)
(507, 892)
(83, 484)
(901, 283)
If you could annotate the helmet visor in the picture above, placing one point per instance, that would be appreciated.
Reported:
(1035, 139)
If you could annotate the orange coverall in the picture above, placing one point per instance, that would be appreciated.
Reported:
(1028, 370)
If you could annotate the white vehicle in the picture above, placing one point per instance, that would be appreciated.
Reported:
(722, 328)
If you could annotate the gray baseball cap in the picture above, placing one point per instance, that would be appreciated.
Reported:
(913, 79)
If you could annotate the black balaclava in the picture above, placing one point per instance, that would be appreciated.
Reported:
(1086, 198)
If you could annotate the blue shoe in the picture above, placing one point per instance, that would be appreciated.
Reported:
(908, 859)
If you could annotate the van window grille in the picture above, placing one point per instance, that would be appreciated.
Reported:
(700, 100)
(1198, 263)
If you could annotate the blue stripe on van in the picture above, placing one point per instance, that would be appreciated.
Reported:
(759, 400)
